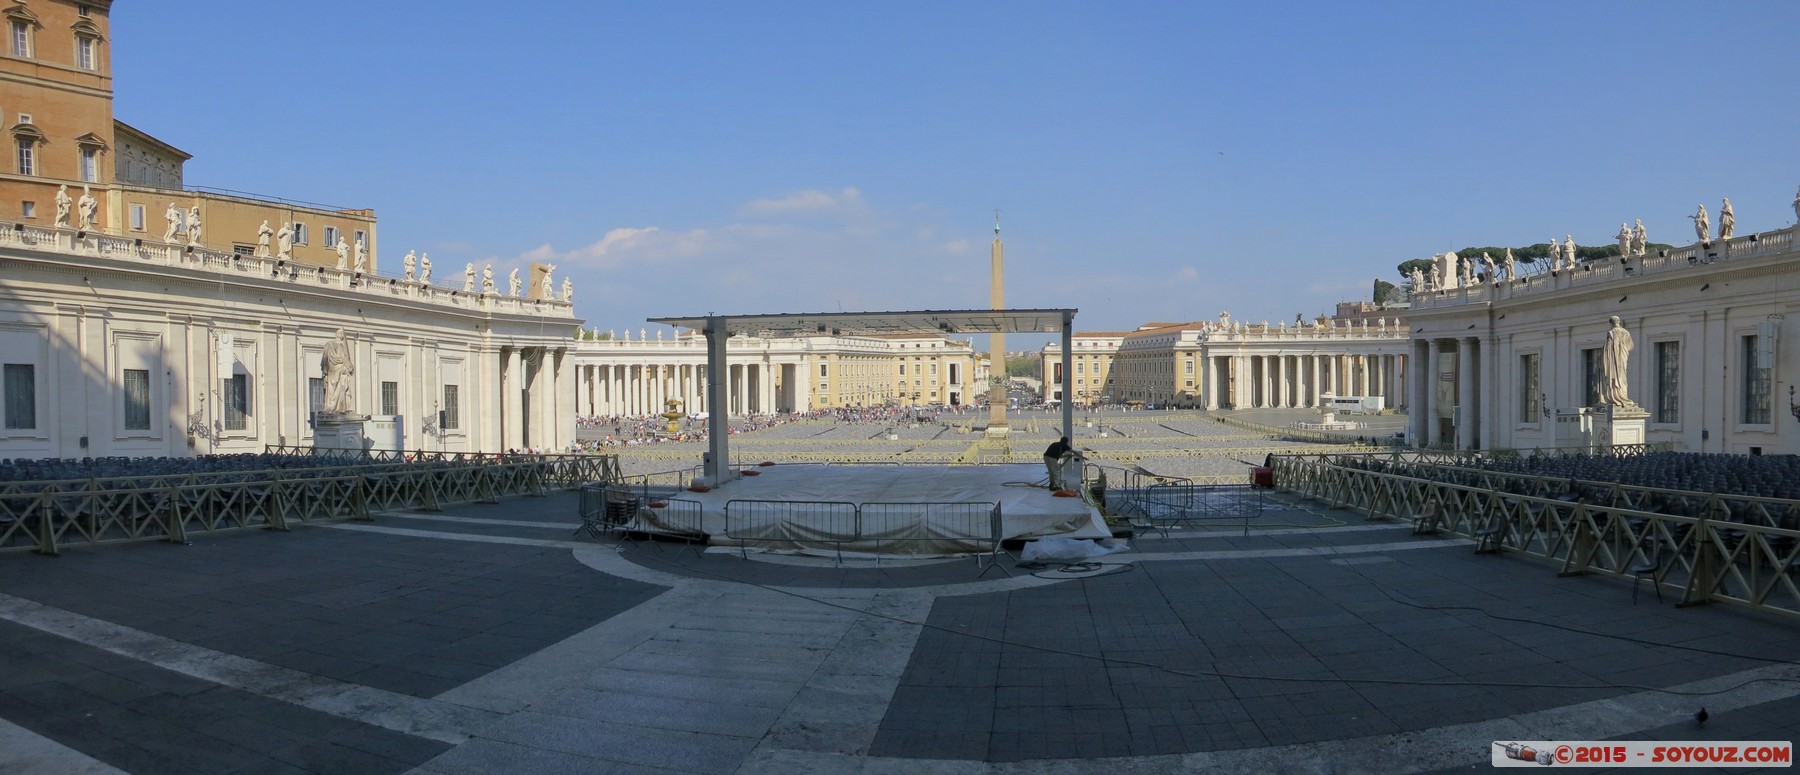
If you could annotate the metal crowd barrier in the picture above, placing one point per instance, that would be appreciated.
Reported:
(973, 526)
(633, 513)
(43, 516)
(1165, 506)
(794, 523)
(1739, 550)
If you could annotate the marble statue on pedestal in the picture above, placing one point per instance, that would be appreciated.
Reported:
(568, 289)
(1512, 268)
(425, 268)
(1225, 316)
(487, 280)
(362, 256)
(284, 241)
(409, 263)
(1437, 277)
(263, 233)
(1797, 205)
(343, 254)
(87, 206)
(1418, 280)
(643, 335)
(1569, 251)
(174, 217)
(338, 364)
(1466, 271)
(547, 288)
(469, 277)
(1487, 265)
(513, 286)
(1702, 224)
(659, 335)
(1624, 239)
(193, 224)
(1727, 220)
(63, 203)
(1556, 261)
(1639, 235)
(1613, 361)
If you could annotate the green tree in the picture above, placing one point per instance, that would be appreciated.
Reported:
(1023, 366)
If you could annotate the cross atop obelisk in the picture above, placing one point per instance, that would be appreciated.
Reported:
(997, 341)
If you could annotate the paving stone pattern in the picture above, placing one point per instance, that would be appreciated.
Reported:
(1353, 647)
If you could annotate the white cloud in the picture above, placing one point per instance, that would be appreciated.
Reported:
(1187, 273)
(617, 246)
(956, 247)
(806, 201)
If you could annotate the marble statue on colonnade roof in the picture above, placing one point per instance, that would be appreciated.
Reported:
(87, 206)
(343, 254)
(513, 286)
(63, 203)
(1624, 239)
(1702, 224)
(1437, 278)
(263, 233)
(362, 256)
(1797, 205)
(338, 364)
(408, 263)
(1487, 265)
(1466, 271)
(469, 277)
(1569, 250)
(1511, 267)
(193, 224)
(174, 217)
(568, 290)
(1418, 279)
(1556, 264)
(425, 268)
(487, 281)
(547, 288)
(284, 241)
(1639, 235)
(1727, 220)
(1613, 361)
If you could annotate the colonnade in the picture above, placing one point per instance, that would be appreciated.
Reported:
(645, 389)
(1301, 381)
(1455, 397)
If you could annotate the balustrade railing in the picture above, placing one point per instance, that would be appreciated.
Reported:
(140, 251)
(1607, 270)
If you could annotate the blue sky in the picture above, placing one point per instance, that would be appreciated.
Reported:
(1154, 161)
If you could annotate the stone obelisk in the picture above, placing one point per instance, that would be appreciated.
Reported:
(997, 380)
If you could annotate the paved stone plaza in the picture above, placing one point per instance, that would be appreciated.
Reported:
(487, 639)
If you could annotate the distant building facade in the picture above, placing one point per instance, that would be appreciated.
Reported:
(1517, 363)
(138, 318)
(1227, 365)
(634, 377)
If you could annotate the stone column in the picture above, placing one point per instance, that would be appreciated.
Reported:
(1415, 410)
(1281, 382)
(1315, 361)
(1429, 398)
(1362, 362)
(1468, 405)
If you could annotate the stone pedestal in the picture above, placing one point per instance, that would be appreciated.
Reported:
(1625, 424)
(341, 432)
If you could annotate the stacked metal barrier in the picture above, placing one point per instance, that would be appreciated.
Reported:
(1712, 547)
